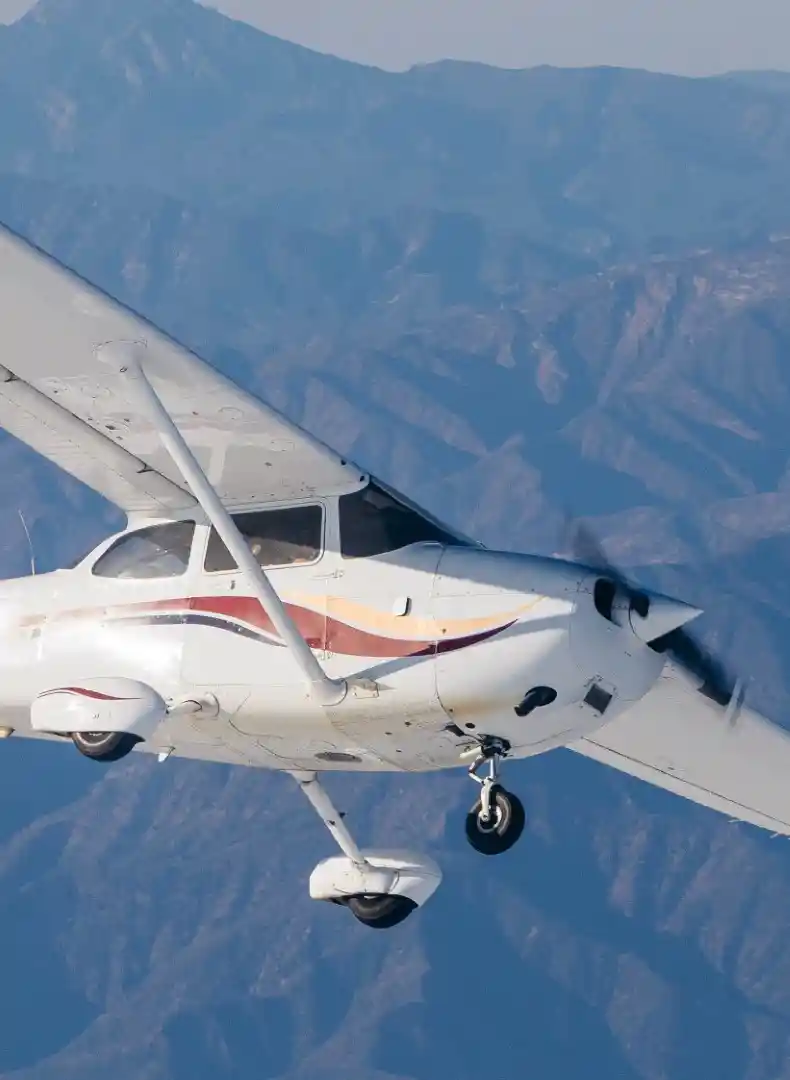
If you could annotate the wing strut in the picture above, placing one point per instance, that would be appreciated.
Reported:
(126, 356)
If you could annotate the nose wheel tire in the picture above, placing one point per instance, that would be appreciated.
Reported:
(380, 912)
(104, 745)
(501, 829)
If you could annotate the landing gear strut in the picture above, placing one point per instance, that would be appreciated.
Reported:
(496, 821)
(380, 888)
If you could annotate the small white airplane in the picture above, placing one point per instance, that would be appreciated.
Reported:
(270, 604)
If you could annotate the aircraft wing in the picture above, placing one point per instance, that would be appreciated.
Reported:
(681, 741)
(57, 396)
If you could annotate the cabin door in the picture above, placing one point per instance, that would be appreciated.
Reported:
(231, 640)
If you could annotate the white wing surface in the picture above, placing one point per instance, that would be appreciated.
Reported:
(679, 740)
(58, 396)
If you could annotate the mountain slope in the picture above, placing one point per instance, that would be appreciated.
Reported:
(601, 161)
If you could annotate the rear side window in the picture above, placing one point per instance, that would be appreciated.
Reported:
(160, 551)
(275, 537)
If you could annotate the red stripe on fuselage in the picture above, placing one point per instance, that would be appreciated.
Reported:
(320, 631)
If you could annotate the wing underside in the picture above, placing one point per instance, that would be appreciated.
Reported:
(679, 740)
(58, 396)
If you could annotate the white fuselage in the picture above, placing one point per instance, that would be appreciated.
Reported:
(452, 638)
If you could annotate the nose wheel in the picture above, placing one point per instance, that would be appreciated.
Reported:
(497, 819)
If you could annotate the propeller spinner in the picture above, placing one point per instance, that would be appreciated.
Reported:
(656, 619)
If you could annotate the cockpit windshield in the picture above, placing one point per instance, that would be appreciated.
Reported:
(373, 522)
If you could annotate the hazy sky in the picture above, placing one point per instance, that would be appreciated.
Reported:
(687, 36)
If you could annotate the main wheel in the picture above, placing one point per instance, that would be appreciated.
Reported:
(104, 745)
(380, 912)
(504, 827)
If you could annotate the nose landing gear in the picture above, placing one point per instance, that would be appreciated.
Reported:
(496, 821)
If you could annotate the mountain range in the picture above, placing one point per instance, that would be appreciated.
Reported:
(176, 98)
(514, 295)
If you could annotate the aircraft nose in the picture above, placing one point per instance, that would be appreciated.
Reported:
(664, 614)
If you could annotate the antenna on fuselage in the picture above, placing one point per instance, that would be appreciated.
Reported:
(29, 543)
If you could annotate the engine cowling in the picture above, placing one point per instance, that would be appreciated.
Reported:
(99, 705)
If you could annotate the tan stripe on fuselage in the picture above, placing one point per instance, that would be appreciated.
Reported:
(418, 627)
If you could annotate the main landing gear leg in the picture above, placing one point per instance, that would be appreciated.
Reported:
(496, 821)
(332, 818)
(380, 889)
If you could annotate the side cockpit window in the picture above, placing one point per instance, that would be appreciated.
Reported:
(159, 551)
(276, 538)
(373, 522)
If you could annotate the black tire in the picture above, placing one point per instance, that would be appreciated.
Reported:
(503, 830)
(380, 912)
(104, 745)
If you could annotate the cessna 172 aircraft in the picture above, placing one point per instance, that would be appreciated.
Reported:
(270, 604)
